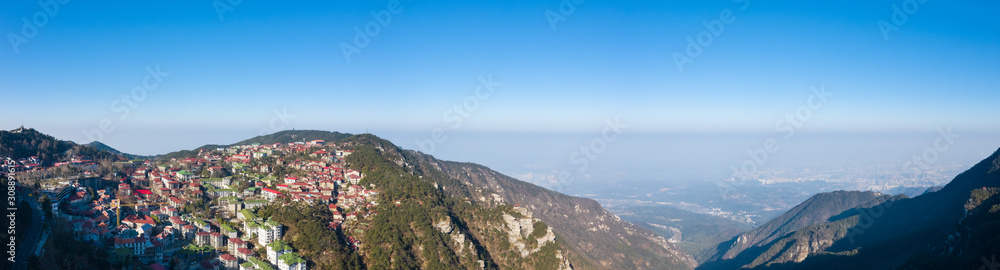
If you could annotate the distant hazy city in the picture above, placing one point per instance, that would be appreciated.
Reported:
(756, 198)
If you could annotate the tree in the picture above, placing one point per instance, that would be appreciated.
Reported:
(243, 185)
(46, 206)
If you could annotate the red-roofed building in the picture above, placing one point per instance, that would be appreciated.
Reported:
(230, 262)
(208, 265)
(133, 221)
(236, 243)
(269, 194)
(176, 202)
(125, 188)
(244, 254)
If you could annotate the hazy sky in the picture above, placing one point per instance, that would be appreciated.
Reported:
(227, 73)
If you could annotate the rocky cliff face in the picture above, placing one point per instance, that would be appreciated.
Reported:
(458, 238)
(429, 220)
(520, 230)
(595, 238)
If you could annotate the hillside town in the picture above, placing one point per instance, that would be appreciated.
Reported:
(201, 212)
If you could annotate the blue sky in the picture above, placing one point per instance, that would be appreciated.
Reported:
(607, 59)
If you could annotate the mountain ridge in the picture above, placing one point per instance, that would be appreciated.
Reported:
(606, 242)
(26, 142)
(102, 146)
(649, 251)
(284, 136)
(932, 230)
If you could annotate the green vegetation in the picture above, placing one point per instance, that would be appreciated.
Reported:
(248, 214)
(291, 258)
(403, 236)
(260, 264)
(538, 229)
(546, 258)
(195, 249)
(289, 136)
(286, 136)
(980, 196)
(279, 246)
(228, 199)
(46, 205)
(30, 142)
(199, 222)
(397, 231)
(392, 236)
(307, 233)
(63, 251)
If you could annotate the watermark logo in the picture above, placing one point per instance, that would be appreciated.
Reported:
(29, 28)
(923, 161)
(225, 6)
(363, 35)
(11, 207)
(589, 152)
(757, 157)
(713, 29)
(899, 17)
(989, 264)
(459, 113)
(565, 10)
(280, 120)
(124, 105)
(866, 218)
(788, 125)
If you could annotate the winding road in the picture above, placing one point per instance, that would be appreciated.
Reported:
(30, 240)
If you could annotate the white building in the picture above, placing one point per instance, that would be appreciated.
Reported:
(291, 261)
(277, 249)
(268, 232)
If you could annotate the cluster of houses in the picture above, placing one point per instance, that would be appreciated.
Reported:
(154, 227)
(34, 163)
(95, 219)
